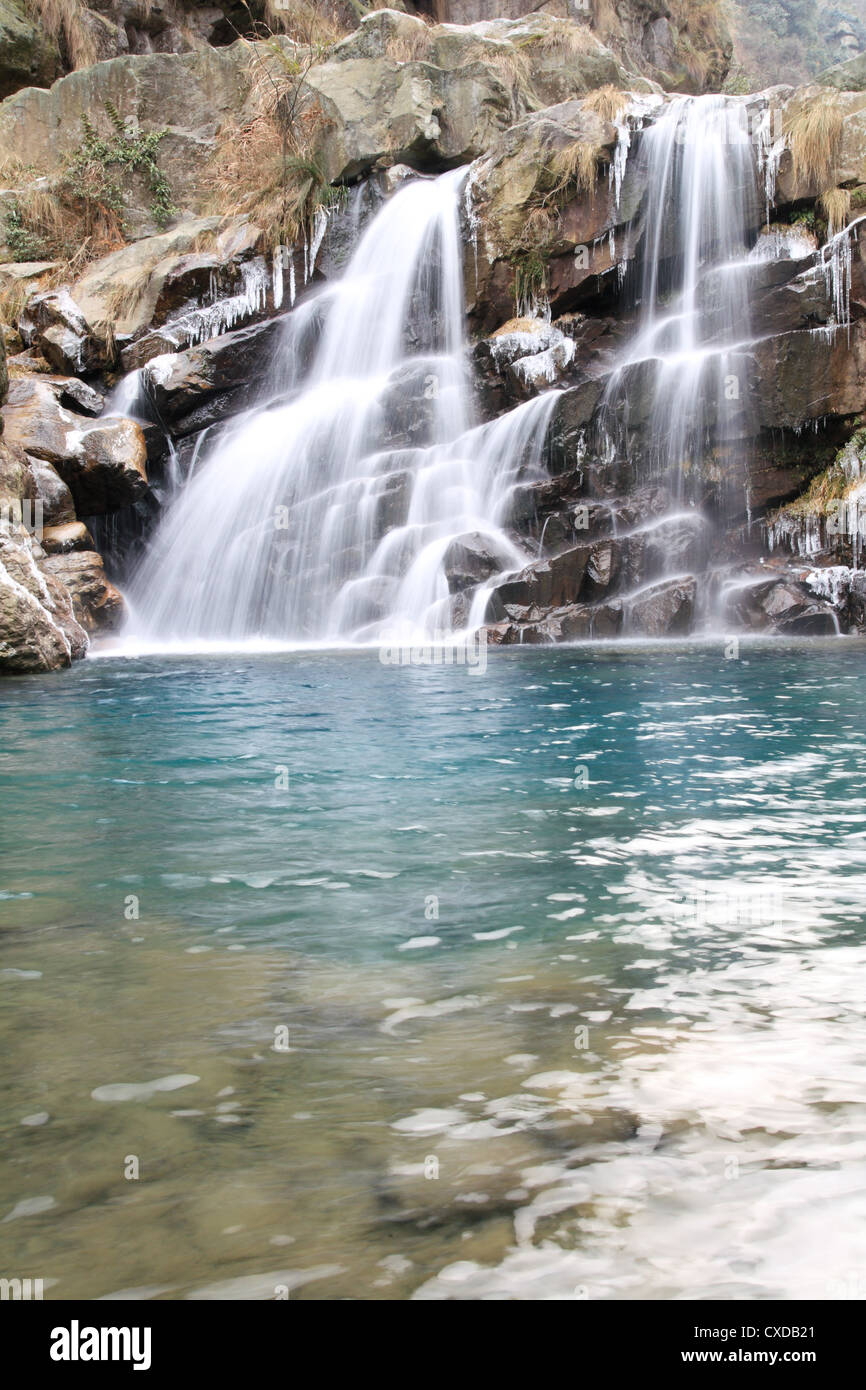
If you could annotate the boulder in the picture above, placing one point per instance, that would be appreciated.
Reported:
(781, 604)
(30, 640)
(97, 604)
(379, 110)
(71, 535)
(189, 95)
(470, 560)
(103, 462)
(194, 388)
(38, 630)
(121, 292)
(34, 420)
(55, 325)
(665, 609)
(108, 467)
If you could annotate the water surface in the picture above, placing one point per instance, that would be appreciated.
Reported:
(544, 982)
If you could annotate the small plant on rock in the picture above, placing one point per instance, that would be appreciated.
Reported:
(96, 170)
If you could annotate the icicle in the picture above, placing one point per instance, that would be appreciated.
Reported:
(616, 174)
(278, 276)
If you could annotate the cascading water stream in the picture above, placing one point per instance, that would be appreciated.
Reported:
(681, 379)
(331, 515)
(676, 406)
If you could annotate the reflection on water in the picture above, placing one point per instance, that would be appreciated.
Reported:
(324, 978)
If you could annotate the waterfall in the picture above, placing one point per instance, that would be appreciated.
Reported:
(363, 502)
(682, 379)
(339, 511)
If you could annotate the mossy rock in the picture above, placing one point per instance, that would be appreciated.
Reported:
(28, 57)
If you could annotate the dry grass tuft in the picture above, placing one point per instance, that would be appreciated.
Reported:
(257, 177)
(14, 294)
(813, 132)
(573, 170)
(565, 37)
(512, 65)
(69, 23)
(410, 47)
(835, 203)
(608, 102)
(305, 21)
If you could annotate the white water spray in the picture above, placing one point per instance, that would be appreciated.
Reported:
(343, 512)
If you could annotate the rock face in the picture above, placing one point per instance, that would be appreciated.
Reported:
(53, 588)
(27, 56)
(190, 93)
(660, 40)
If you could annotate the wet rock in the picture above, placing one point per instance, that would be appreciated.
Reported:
(784, 606)
(29, 638)
(38, 631)
(72, 535)
(600, 571)
(546, 584)
(108, 468)
(809, 375)
(664, 610)
(857, 601)
(102, 462)
(194, 388)
(34, 420)
(392, 506)
(55, 325)
(470, 560)
(97, 605)
(58, 508)
(77, 395)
